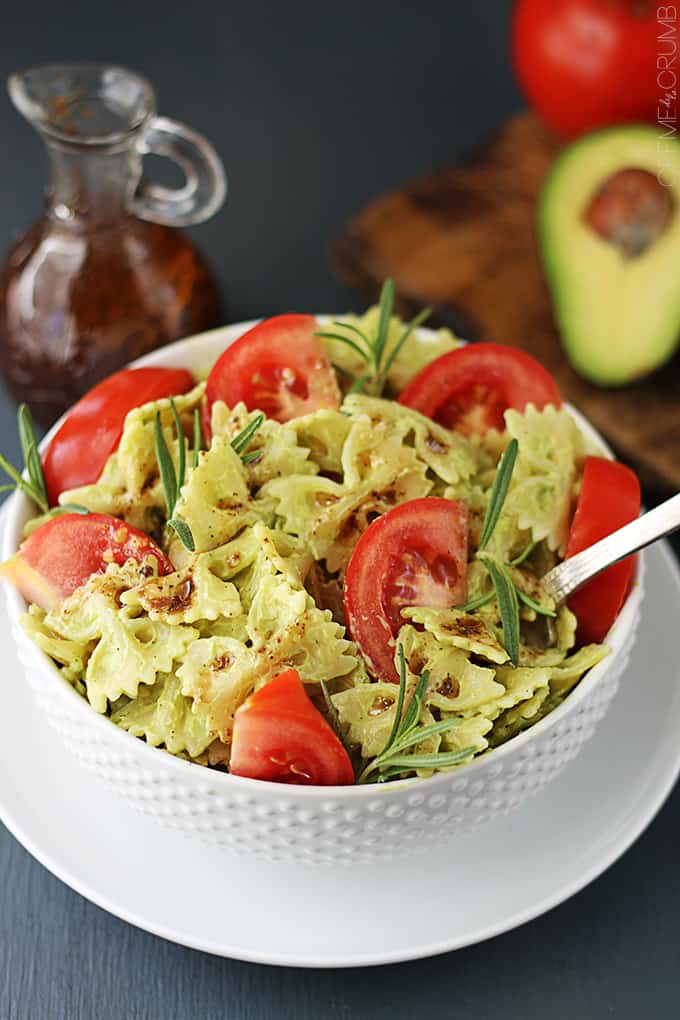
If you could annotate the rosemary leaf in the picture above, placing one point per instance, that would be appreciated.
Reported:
(385, 775)
(532, 604)
(413, 324)
(518, 560)
(341, 371)
(198, 437)
(182, 449)
(26, 433)
(400, 701)
(499, 491)
(22, 483)
(183, 532)
(12, 472)
(33, 464)
(241, 441)
(437, 760)
(165, 467)
(354, 329)
(386, 306)
(483, 600)
(375, 765)
(508, 607)
(250, 456)
(345, 340)
(358, 384)
(334, 720)
(37, 479)
(28, 489)
(56, 511)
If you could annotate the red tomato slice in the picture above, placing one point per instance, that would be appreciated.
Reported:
(92, 428)
(64, 553)
(279, 735)
(414, 555)
(278, 367)
(470, 389)
(610, 498)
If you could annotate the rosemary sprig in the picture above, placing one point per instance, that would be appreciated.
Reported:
(373, 349)
(406, 732)
(32, 481)
(505, 590)
(173, 480)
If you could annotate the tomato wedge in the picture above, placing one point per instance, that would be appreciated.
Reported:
(64, 553)
(279, 735)
(471, 388)
(414, 555)
(278, 367)
(609, 498)
(92, 428)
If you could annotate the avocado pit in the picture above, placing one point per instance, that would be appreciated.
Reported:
(631, 210)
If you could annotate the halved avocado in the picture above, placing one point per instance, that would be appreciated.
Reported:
(609, 228)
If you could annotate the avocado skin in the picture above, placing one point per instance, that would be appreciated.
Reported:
(619, 318)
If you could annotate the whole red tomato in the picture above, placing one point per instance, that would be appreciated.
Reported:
(584, 64)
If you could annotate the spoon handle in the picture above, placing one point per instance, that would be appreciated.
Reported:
(563, 580)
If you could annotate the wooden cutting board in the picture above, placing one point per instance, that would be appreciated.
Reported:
(464, 241)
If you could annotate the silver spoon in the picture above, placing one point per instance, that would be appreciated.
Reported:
(563, 580)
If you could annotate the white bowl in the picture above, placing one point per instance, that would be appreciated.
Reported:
(314, 824)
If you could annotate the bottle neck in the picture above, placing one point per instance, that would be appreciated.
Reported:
(90, 186)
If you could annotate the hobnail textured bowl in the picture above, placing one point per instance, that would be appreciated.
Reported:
(314, 824)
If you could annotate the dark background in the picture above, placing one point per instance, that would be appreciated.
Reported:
(315, 109)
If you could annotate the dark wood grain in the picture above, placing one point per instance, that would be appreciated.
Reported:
(464, 240)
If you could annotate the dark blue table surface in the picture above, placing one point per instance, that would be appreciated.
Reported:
(315, 108)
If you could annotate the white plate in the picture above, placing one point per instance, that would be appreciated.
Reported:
(486, 883)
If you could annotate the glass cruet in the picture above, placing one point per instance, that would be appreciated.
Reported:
(103, 276)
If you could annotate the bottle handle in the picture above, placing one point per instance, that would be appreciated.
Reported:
(205, 187)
